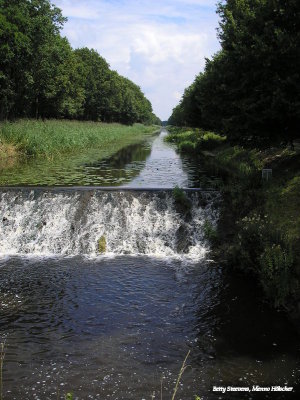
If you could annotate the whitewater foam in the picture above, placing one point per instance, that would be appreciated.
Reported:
(65, 223)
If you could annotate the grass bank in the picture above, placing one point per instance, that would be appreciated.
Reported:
(8, 155)
(55, 137)
(259, 228)
(194, 140)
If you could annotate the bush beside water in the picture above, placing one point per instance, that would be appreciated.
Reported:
(259, 228)
(182, 202)
(265, 230)
(194, 140)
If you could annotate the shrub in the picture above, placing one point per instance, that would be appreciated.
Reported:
(210, 141)
(186, 147)
(276, 264)
(210, 232)
(182, 203)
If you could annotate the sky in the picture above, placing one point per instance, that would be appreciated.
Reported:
(160, 45)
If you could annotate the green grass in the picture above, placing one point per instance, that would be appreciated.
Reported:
(194, 140)
(259, 229)
(55, 137)
(264, 217)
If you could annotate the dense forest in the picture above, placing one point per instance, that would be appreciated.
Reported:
(41, 76)
(250, 90)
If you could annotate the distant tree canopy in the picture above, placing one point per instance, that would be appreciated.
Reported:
(250, 90)
(42, 76)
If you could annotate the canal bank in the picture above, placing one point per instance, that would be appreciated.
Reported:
(116, 325)
(259, 228)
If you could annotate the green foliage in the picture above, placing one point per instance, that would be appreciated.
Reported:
(210, 232)
(186, 147)
(249, 91)
(261, 248)
(283, 204)
(276, 263)
(211, 140)
(102, 245)
(43, 77)
(242, 165)
(178, 194)
(178, 135)
(253, 233)
(69, 396)
(263, 221)
(54, 137)
(108, 96)
(194, 140)
(181, 200)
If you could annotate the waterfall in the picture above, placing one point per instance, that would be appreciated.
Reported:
(71, 222)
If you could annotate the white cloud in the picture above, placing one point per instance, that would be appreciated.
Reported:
(160, 45)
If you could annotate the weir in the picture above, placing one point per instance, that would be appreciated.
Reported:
(103, 189)
(68, 221)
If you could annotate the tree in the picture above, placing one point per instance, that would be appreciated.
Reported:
(250, 90)
(95, 75)
(15, 50)
(42, 76)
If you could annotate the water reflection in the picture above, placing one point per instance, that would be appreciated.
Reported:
(122, 167)
(152, 163)
(79, 169)
(163, 168)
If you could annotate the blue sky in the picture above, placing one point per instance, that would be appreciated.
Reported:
(160, 45)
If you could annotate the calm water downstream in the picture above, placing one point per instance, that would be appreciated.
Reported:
(112, 328)
(116, 326)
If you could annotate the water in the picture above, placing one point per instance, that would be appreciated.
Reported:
(112, 328)
(152, 163)
(71, 222)
(163, 168)
(115, 326)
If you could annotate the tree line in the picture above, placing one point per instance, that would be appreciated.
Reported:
(250, 90)
(41, 76)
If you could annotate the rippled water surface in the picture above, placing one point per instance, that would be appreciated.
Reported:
(119, 326)
(113, 328)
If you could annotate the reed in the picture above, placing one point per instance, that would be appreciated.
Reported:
(53, 137)
(182, 369)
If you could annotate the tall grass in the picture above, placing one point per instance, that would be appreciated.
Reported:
(194, 140)
(53, 137)
(182, 369)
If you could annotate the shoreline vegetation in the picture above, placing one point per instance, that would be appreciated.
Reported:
(243, 110)
(51, 92)
(52, 138)
(42, 76)
(259, 227)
